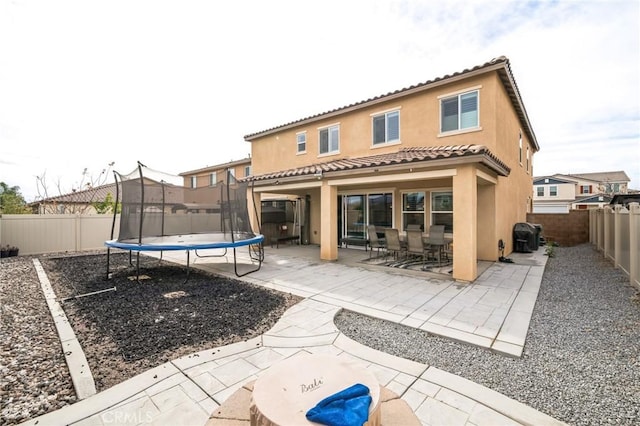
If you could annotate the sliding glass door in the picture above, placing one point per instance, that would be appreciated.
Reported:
(359, 210)
(354, 216)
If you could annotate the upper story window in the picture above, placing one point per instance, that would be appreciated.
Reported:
(247, 171)
(585, 189)
(386, 127)
(540, 191)
(612, 187)
(528, 159)
(553, 191)
(329, 139)
(301, 140)
(194, 181)
(459, 112)
(213, 178)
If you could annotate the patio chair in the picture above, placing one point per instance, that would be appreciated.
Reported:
(374, 241)
(416, 247)
(394, 245)
(436, 242)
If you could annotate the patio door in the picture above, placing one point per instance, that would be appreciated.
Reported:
(359, 210)
(354, 216)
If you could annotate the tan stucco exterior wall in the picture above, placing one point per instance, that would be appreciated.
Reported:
(486, 206)
(419, 126)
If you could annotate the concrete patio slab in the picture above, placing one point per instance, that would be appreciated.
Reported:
(192, 388)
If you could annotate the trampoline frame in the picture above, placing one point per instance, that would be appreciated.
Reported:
(254, 243)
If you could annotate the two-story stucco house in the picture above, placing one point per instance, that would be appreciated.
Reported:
(560, 193)
(211, 175)
(456, 150)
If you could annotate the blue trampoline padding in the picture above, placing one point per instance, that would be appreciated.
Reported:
(187, 242)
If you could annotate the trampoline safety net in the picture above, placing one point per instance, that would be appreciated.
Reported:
(153, 206)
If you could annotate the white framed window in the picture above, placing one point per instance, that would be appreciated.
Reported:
(247, 171)
(194, 181)
(553, 191)
(413, 209)
(301, 142)
(540, 191)
(459, 112)
(442, 209)
(528, 159)
(585, 189)
(213, 179)
(520, 147)
(329, 139)
(386, 127)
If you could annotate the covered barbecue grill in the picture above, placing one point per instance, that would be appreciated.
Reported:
(525, 237)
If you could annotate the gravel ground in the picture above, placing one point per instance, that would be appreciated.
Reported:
(123, 332)
(580, 365)
(581, 362)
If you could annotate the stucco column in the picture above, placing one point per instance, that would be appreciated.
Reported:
(328, 222)
(254, 205)
(487, 217)
(465, 224)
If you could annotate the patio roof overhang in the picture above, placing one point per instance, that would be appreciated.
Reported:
(404, 165)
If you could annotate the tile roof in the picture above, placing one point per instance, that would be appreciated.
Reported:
(86, 196)
(216, 167)
(402, 156)
(500, 64)
(616, 176)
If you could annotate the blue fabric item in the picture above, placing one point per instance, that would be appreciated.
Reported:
(349, 407)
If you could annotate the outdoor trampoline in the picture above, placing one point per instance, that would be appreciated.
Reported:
(157, 215)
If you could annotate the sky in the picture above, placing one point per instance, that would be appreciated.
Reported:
(177, 84)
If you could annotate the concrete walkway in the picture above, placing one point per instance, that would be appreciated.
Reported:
(493, 312)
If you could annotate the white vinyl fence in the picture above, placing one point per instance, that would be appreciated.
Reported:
(37, 234)
(616, 233)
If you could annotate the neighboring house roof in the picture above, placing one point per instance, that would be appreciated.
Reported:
(617, 176)
(552, 180)
(218, 166)
(90, 195)
(500, 64)
(477, 153)
(598, 198)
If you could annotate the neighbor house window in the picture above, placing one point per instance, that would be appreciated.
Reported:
(386, 127)
(213, 178)
(553, 191)
(527, 159)
(301, 140)
(247, 170)
(330, 139)
(540, 191)
(413, 209)
(194, 181)
(442, 210)
(585, 189)
(459, 112)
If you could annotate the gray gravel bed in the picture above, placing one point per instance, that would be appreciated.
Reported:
(34, 378)
(124, 332)
(581, 361)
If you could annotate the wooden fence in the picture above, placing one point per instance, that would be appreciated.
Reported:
(616, 233)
